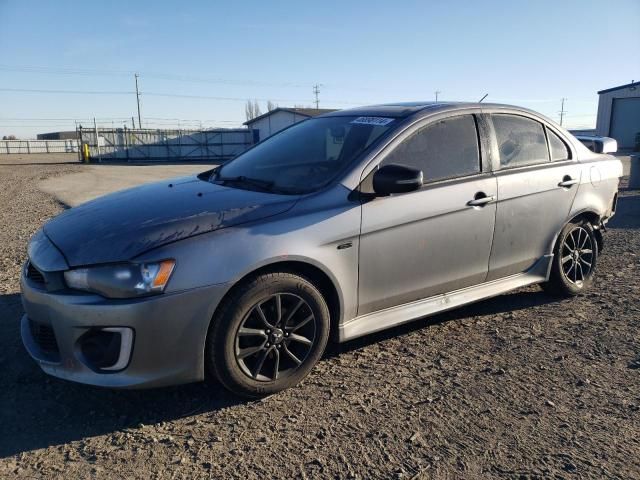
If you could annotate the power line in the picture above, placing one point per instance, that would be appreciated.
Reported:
(79, 118)
(238, 99)
(64, 70)
(156, 75)
(74, 92)
(170, 95)
(234, 99)
(541, 100)
(63, 125)
(2, 119)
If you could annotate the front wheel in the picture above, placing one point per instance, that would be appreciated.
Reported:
(268, 334)
(574, 260)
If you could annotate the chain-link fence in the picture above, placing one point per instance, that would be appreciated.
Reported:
(38, 146)
(141, 145)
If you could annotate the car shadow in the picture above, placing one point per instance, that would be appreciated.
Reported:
(62, 205)
(510, 302)
(38, 411)
(627, 212)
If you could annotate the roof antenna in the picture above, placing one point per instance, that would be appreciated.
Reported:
(485, 96)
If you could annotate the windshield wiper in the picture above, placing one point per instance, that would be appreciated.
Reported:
(266, 185)
(255, 182)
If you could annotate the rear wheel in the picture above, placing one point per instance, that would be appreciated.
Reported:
(574, 260)
(268, 334)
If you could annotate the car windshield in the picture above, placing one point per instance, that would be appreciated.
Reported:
(306, 156)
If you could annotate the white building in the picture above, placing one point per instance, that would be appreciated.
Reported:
(619, 114)
(271, 122)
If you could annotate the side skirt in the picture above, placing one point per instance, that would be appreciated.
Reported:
(390, 317)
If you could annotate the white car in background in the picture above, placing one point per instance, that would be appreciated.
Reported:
(598, 144)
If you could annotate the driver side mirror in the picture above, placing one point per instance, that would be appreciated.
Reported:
(396, 179)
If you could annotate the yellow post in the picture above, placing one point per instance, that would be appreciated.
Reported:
(85, 152)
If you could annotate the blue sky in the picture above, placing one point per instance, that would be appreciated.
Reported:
(361, 52)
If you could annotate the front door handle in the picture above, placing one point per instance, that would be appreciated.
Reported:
(481, 199)
(567, 182)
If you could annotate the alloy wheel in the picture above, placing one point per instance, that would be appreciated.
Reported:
(275, 337)
(577, 256)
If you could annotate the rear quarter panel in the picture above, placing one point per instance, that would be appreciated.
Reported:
(599, 184)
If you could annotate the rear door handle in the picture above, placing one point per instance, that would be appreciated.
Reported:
(481, 199)
(567, 181)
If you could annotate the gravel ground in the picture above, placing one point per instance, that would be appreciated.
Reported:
(520, 386)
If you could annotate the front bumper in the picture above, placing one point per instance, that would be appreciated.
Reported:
(168, 341)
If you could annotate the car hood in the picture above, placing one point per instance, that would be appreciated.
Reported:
(122, 225)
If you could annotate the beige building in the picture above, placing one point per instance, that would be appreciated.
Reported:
(280, 118)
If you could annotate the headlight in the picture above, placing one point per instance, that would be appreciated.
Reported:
(123, 280)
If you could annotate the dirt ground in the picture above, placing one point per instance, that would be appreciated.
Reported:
(97, 180)
(521, 386)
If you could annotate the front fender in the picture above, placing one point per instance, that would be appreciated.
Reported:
(228, 255)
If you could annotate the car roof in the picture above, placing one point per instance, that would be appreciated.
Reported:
(406, 109)
(395, 110)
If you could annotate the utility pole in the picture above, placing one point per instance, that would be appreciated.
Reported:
(138, 100)
(133, 123)
(316, 91)
(437, 92)
(562, 111)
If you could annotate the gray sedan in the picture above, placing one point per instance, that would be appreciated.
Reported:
(339, 226)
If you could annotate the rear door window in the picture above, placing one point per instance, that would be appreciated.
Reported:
(445, 149)
(521, 141)
(559, 150)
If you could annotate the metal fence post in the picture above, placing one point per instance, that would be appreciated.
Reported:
(79, 142)
(126, 142)
(95, 128)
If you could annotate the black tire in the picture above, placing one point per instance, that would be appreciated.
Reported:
(240, 327)
(575, 256)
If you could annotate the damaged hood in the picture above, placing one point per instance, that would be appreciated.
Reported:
(122, 225)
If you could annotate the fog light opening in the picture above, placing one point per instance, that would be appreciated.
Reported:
(107, 349)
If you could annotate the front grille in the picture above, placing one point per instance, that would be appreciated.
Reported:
(34, 274)
(45, 338)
